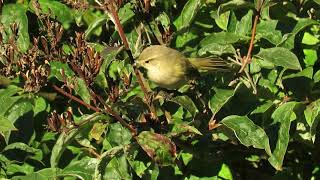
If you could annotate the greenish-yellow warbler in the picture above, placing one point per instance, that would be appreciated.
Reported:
(170, 69)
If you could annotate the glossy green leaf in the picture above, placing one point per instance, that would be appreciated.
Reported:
(82, 90)
(311, 56)
(312, 115)
(288, 39)
(316, 76)
(267, 30)
(95, 25)
(225, 172)
(43, 174)
(118, 135)
(58, 10)
(248, 133)
(97, 130)
(40, 105)
(186, 103)
(66, 138)
(83, 168)
(57, 68)
(235, 4)
(244, 26)
(263, 108)
(16, 13)
(307, 72)
(220, 98)
(35, 153)
(125, 13)
(103, 163)
(184, 129)
(216, 49)
(6, 124)
(188, 14)
(282, 117)
(280, 57)
(223, 38)
(117, 168)
(159, 147)
(222, 20)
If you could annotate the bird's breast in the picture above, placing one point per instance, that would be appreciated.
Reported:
(168, 76)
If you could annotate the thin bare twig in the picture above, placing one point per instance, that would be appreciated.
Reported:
(60, 90)
(114, 16)
(247, 59)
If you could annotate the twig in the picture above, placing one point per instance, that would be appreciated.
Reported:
(107, 110)
(60, 90)
(247, 59)
(114, 16)
(110, 111)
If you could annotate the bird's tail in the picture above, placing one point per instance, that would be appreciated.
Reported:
(210, 64)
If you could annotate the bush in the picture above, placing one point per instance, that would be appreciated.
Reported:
(74, 105)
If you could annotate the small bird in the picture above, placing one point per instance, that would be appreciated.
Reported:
(170, 69)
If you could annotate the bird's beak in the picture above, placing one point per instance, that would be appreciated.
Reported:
(137, 64)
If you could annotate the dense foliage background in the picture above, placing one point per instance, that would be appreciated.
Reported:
(73, 106)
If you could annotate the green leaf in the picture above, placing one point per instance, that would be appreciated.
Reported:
(280, 57)
(117, 168)
(220, 98)
(118, 135)
(307, 72)
(56, 68)
(223, 38)
(37, 153)
(184, 129)
(6, 125)
(83, 168)
(103, 163)
(40, 105)
(95, 25)
(125, 13)
(18, 169)
(222, 20)
(16, 13)
(82, 90)
(97, 130)
(225, 172)
(282, 116)
(309, 39)
(216, 49)
(316, 77)
(245, 24)
(312, 115)
(101, 79)
(311, 56)
(248, 133)
(159, 147)
(267, 30)
(66, 138)
(186, 103)
(288, 39)
(235, 4)
(57, 10)
(263, 108)
(43, 174)
(188, 14)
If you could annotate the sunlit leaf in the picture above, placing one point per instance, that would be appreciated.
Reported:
(282, 117)
(159, 147)
(58, 10)
(248, 133)
(16, 13)
(188, 14)
(280, 57)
